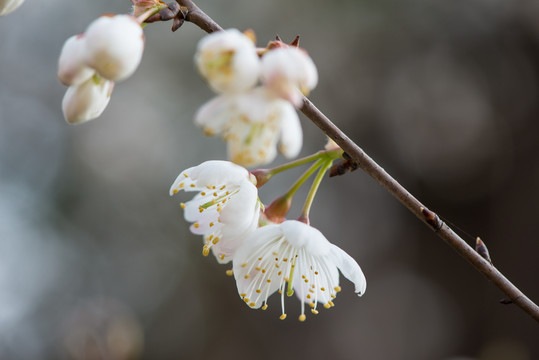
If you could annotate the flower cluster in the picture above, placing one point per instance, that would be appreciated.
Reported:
(284, 257)
(108, 51)
(253, 118)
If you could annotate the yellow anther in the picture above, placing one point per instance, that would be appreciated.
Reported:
(282, 317)
(331, 303)
(247, 276)
(205, 251)
(314, 311)
(259, 259)
(316, 272)
(203, 193)
(327, 306)
(265, 307)
(185, 175)
(227, 193)
(302, 317)
(222, 256)
(332, 296)
(222, 187)
(200, 209)
(211, 224)
(285, 259)
(306, 280)
(215, 194)
(279, 291)
(244, 265)
(323, 288)
(311, 291)
(182, 205)
(303, 276)
(181, 186)
(311, 304)
(215, 240)
(252, 304)
(257, 268)
(219, 209)
(279, 273)
(224, 201)
(308, 296)
(230, 272)
(246, 300)
(192, 185)
(314, 287)
(175, 191)
(337, 288)
(258, 291)
(263, 271)
(268, 281)
(196, 225)
(243, 295)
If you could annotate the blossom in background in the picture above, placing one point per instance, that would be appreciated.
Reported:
(252, 123)
(109, 50)
(226, 207)
(86, 101)
(289, 72)
(294, 254)
(7, 6)
(228, 61)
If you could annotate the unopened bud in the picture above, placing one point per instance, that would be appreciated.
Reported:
(71, 67)
(114, 46)
(86, 101)
(278, 209)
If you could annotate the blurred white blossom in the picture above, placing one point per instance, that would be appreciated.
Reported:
(289, 72)
(86, 101)
(252, 123)
(294, 253)
(226, 207)
(7, 6)
(228, 61)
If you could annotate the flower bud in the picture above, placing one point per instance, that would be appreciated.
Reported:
(228, 61)
(7, 6)
(86, 101)
(114, 46)
(71, 67)
(285, 70)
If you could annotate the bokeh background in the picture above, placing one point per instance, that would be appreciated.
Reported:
(96, 261)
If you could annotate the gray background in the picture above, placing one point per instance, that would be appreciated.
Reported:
(96, 261)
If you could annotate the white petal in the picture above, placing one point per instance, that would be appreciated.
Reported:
(114, 46)
(214, 115)
(350, 269)
(299, 235)
(291, 133)
(72, 69)
(86, 101)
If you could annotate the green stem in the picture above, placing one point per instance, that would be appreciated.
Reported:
(304, 160)
(307, 174)
(314, 187)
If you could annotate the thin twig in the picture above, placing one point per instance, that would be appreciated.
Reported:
(368, 165)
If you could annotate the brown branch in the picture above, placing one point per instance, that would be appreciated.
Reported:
(368, 165)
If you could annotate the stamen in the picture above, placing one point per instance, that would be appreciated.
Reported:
(282, 317)
(182, 205)
(302, 317)
(175, 191)
(230, 272)
(265, 307)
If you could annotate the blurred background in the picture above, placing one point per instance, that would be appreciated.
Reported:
(96, 261)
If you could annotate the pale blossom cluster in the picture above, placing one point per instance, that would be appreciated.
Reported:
(110, 50)
(254, 111)
(287, 257)
(7, 6)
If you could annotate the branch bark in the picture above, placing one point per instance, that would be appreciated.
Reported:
(369, 166)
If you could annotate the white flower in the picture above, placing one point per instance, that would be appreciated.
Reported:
(228, 61)
(72, 69)
(86, 101)
(294, 253)
(114, 46)
(285, 70)
(7, 6)
(226, 208)
(252, 123)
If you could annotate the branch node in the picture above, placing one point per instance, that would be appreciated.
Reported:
(431, 218)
